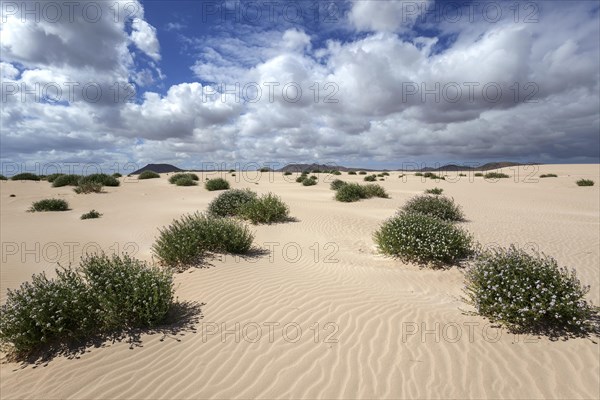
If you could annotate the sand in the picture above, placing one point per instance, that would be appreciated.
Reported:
(335, 319)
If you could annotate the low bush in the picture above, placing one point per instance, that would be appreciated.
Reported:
(301, 178)
(103, 179)
(478, 174)
(265, 169)
(495, 175)
(49, 205)
(91, 215)
(52, 177)
(351, 172)
(439, 207)
(527, 292)
(385, 173)
(370, 178)
(362, 172)
(228, 203)
(148, 175)
(287, 173)
(585, 182)
(461, 174)
(188, 239)
(231, 171)
(216, 184)
(186, 181)
(548, 176)
(265, 209)
(66, 180)
(3, 178)
(431, 175)
(375, 190)
(434, 191)
(337, 173)
(116, 175)
(419, 174)
(380, 175)
(25, 176)
(104, 295)
(174, 178)
(423, 239)
(309, 181)
(88, 187)
(336, 184)
(350, 193)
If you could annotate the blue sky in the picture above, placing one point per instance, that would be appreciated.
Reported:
(363, 83)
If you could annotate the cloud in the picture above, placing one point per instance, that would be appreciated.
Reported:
(144, 36)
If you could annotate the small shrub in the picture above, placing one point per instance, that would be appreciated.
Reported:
(231, 171)
(88, 187)
(434, 191)
(316, 171)
(337, 173)
(265, 169)
(423, 239)
(461, 174)
(336, 184)
(370, 178)
(401, 176)
(350, 193)
(380, 175)
(265, 209)
(301, 178)
(351, 172)
(495, 175)
(186, 181)
(309, 181)
(52, 177)
(478, 174)
(228, 203)
(314, 177)
(3, 178)
(233, 174)
(188, 239)
(174, 178)
(103, 179)
(439, 207)
(385, 173)
(12, 195)
(362, 172)
(116, 175)
(25, 176)
(548, 176)
(49, 205)
(66, 180)
(216, 184)
(431, 175)
(419, 174)
(527, 293)
(585, 182)
(287, 173)
(91, 215)
(148, 175)
(375, 190)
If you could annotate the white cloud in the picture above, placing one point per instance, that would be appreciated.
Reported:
(144, 36)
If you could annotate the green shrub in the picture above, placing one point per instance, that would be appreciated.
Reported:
(316, 171)
(265, 209)
(439, 207)
(265, 169)
(370, 178)
(66, 180)
(91, 215)
(186, 181)
(362, 172)
(231, 171)
(431, 175)
(174, 178)
(527, 293)
(309, 181)
(351, 172)
(49, 205)
(495, 175)
(314, 177)
(336, 173)
(385, 174)
(52, 177)
(104, 295)
(216, 184)
(103, 179)
(3, 178)
(301, 178)
(188, 239)
(380, 175)
(148, 175)
(478, 174)
(461, 174)
(585, 182)
(350, 193)
(336, 184)
(25, 176)
(375, 190)
(287, 173)
(548, 176)
(116, 175)
(434, 191)
(419, 174)
(423, 239)
(228, 203)
(88, 187)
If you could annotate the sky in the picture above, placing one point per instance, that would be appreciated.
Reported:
(352, 83)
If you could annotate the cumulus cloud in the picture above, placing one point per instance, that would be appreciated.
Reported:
(144, 36)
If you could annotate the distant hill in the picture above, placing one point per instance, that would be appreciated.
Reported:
(484, 167)
(321, 167)
(158, 168)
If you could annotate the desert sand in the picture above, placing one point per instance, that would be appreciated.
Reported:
(371, 326)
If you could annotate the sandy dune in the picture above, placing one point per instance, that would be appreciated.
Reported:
(322, 315)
